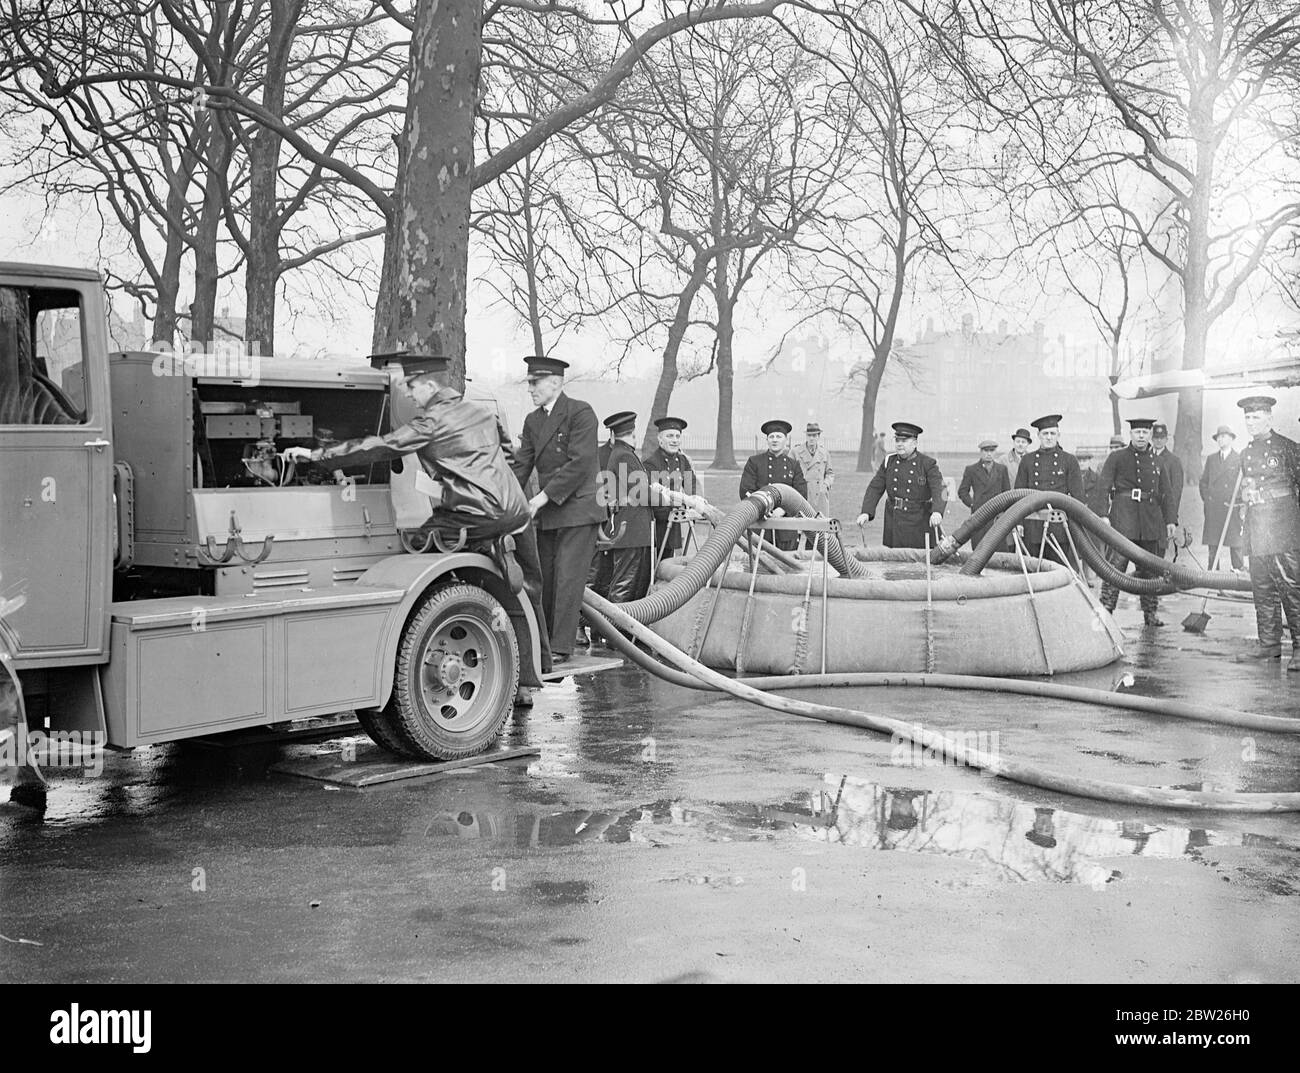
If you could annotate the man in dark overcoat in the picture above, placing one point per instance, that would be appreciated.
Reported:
(980, 482)
(1218, 484)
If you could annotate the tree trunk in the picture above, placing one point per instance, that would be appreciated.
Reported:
(206, 270)
(885, 344)
(530, 255)
(383, 339)
(1115, 421)
(1196, 312)
(676, 333)
(262, 271)
(432, 263)
(867, 439)
(724, 453)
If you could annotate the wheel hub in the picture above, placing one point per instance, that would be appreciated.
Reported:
(449, 668)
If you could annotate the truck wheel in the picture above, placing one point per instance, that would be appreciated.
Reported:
(455, 678)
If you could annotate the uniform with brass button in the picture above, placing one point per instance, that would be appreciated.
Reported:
(1133, 494)
(620, 571)
(914, 487)
(1049, 469)
(1270, 487)
(673, 480)
(775, 466)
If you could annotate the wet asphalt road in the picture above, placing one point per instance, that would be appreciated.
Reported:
(664, 834)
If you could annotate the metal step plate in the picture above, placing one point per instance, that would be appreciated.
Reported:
(372, 766)
(581, 663)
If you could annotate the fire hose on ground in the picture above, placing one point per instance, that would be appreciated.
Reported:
(624, 626)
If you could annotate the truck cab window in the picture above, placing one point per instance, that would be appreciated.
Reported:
(41, 357)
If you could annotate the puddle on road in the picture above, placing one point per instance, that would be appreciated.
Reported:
(1023, 843)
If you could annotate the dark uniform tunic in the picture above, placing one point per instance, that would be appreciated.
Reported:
(1173, 467)
(562, 447)
(622, 572)
(467, 450)
(675, 473)
(1218, 482)
(1133, 492)
(1270, 485)
(915, 489)
(979, 484)
(766, 468)
(1049, 470)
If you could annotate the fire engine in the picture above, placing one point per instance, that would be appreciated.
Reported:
(164, 573)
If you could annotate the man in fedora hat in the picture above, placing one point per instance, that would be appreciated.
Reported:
(620, 571)
(775, 466)
(1218, 483)
(559, 441)
(1050, 469)
(1270, 483)
(673, 483)
(1021, 440)
(980, 482)
(466, 452)
(815, 461)
(1134, 498)
(914, 486)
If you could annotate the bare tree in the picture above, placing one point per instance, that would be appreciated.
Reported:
(720, 133)
(140, 107)
(1194, 106)
(900, 211)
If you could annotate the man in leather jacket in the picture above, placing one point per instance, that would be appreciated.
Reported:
(466, 452)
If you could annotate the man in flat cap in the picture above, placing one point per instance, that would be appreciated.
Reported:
(1050, 469)
(1218, 484)
(621, 569)
(1020, 443)
(815, 461)
(1173, 467)
(914, 486)
(1117, 443)
(775, 466)
(1270, 483)
(559, 441)
(1134, 497)
(466, 451)
(673, 484)
(980, 482)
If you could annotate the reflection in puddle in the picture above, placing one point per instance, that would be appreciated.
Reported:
(1021, 842)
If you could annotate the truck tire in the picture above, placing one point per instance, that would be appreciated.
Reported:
(382, 728)
(454, 679)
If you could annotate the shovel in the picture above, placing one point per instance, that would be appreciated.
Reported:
(1198, 620)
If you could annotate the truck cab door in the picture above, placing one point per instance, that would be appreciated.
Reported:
(56, 464)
